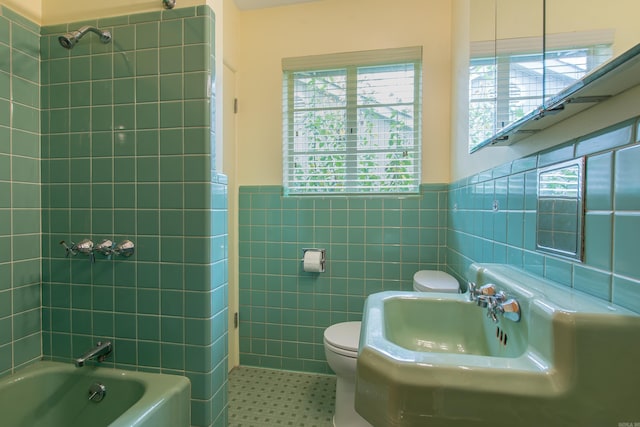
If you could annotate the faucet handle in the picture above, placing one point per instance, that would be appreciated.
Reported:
(105, 247)
(510, 309)
(85, 246)
(69, 250)
(125, 248)
(488, 290)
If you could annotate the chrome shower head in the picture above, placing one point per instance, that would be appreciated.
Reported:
(69, 40)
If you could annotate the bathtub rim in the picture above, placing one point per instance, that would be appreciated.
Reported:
(158, 387)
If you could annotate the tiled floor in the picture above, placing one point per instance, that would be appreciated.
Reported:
(268, 397)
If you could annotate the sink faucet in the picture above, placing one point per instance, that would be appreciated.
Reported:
(99, 352)
(496, 302)
(482, 295)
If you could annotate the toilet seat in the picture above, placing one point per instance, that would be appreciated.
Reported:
(343, 338)
(435, 281)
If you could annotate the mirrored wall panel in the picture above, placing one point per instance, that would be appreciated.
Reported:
(560, 214)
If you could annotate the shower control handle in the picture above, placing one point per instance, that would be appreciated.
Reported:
(69, 250)
(85, 246)
(125, 248)
(105, 247)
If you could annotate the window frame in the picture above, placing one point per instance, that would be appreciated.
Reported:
(349, 64)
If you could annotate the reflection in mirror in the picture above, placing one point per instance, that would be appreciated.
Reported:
(579, 41)
(519, 49)
(561, 209)
(482, 71)
(506, 79)
(576, 43)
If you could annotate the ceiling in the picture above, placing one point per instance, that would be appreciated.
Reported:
(261, 4)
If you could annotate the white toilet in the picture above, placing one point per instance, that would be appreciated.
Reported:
(341, 348)
(435, 281)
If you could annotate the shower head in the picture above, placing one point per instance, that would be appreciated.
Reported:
(69, 40)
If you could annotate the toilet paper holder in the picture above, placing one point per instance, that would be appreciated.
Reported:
(323, 257)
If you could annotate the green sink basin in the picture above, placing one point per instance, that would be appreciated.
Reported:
(446, 325)
(438, 360)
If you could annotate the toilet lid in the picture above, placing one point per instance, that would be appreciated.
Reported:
(345, 336)
(435, 281)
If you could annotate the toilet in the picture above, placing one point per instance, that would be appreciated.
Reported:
(435, 281)
(341, 349)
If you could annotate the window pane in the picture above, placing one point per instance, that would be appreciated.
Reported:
(386, 171)
(322, 130)
(315, 172)
(386, 84)
(320, 89)
(385, 127)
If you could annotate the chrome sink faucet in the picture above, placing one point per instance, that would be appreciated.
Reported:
(496, 302)
(99, 352)
(482, 294)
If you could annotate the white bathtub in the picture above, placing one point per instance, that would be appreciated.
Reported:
(52, 394)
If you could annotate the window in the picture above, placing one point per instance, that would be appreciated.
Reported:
(506, 86)
(352, 122)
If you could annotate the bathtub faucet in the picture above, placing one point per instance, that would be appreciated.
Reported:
(99, 352)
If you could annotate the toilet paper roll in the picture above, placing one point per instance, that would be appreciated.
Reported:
(313, 261)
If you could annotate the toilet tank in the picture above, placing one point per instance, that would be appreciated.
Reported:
(435, 281)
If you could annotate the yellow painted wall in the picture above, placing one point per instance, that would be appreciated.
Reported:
(330, 26)
(31, 9)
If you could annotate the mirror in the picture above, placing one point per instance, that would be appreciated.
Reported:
(580, 36)
(560, 209)
(506, 78)
(482, 71)
(519, 49)
(582, 43)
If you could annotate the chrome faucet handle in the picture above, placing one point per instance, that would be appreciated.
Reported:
(69, 250)
(105, 247)
(489, 289)
(125, 248)
(85, 246)
(485, 295)
(510, 309)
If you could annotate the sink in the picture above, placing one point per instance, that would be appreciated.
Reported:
(448, 325)
(434, 359)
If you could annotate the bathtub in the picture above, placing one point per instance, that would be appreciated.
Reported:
(53, 394)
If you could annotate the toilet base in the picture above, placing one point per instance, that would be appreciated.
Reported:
(346, 415)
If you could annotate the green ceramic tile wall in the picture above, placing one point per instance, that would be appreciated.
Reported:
(372, 244)
(126, 141)
(612, 219)
(20, 333)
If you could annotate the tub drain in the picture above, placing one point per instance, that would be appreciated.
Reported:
(97, 392)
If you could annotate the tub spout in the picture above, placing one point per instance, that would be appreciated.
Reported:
(99, 352)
